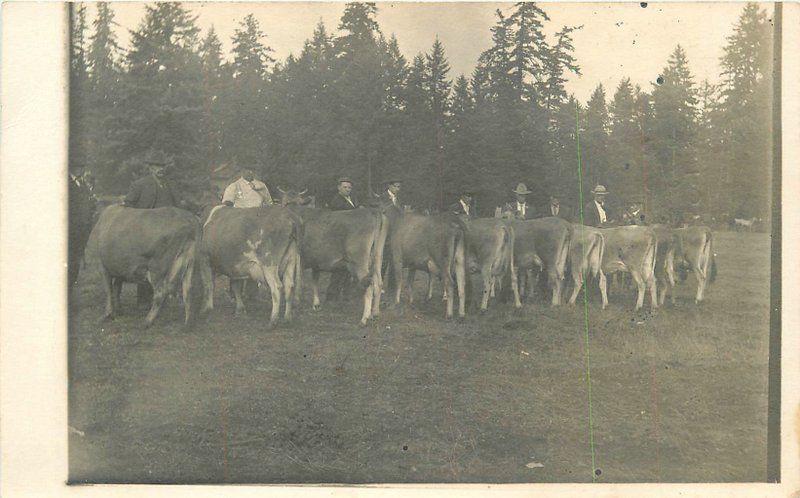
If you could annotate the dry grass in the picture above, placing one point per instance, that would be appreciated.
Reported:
(677, 395)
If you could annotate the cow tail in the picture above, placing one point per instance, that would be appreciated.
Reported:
(600, 249)
(649, 263)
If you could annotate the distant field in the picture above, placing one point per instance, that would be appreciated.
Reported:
(677, 395)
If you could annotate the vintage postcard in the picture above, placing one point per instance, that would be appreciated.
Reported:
(419, 243)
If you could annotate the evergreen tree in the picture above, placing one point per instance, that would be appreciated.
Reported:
(674, 134)
(746, 107)
(80, 91)
(594, 141)
(529, 50)
(163, 97)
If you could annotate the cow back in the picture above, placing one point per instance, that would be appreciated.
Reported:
(631, 247)
(128, 238)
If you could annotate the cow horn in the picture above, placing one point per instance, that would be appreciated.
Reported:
(303, 192)
(281, 190)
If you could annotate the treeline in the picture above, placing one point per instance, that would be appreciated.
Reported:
(349, 103)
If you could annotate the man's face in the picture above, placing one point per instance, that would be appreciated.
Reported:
(467, 198)
(157, 170)
(345, 188)
(600, 198)
(248, 174)
(394, 187)
(554, 201)
(520, 198)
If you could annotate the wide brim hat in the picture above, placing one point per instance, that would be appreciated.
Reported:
(521, 189)
(600, 190)
(391, 180)
(156, 158)
(343, 179)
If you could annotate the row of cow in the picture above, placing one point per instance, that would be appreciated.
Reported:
(273, 245)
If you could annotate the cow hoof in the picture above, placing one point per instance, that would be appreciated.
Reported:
(316, 307)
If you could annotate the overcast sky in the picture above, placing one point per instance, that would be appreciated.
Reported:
(617, 40)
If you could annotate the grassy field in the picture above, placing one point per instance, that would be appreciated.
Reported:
(676, 395)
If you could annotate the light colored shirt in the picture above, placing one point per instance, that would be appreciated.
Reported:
(464, 205)
(601, 212)
(554, 209)
(242, 194)
(521, 208)
(392, 197)
(349, 200)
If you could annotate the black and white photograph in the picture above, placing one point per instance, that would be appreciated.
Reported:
(365, 243)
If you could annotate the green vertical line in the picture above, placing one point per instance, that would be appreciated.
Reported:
(585, 294)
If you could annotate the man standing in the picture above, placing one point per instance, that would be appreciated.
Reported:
(596, 213)
(520, 209)
(464, 205)
(152, 190)
(390, 195)
(246, 192)
(82, 208)
(344, 199)
(554, 208)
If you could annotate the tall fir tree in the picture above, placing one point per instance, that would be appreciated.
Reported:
(746, 107)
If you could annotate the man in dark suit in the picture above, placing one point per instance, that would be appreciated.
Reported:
(344, 199)
(390, 195)
(82, 208)
(596, 213)
(555, 208)
(464, 205)
(519, 209)
(152, 190)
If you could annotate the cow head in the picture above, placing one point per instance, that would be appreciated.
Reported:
(289, 197)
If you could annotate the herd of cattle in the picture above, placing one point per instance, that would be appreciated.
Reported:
(272, 245)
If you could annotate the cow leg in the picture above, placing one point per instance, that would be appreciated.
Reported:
(368, 293)
(701, 282)
(117, 286)
(555, 284)
(651, 285)
(159, 296)
(207, 280)
(412, 273)
(430, 287)
(515, 286)
(237, 287)
(108, 284)
(288, 281)
(377, 290)
(268, 276)
(315, 289)
(577, 279)
(186, 288)
(486, 275)
(640, 285)
(601, 278)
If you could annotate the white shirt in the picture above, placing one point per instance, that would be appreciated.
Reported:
(349, 200)
(601, 212)
(521, 207)
(465, 205)
(392, 197)
(554, 209)
(242, 194)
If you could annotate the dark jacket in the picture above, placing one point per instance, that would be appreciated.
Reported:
(530, 211)
(385, 200)
(147, 193)
(564, 212)
(457, 209)
(339, 203)
(591, 217)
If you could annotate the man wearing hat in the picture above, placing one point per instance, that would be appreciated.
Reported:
(344, 199)
(520, 209)
(247, 192)
(464, 205)
(596, 213)
(390, 194)
(556, 209)
(152, 190)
